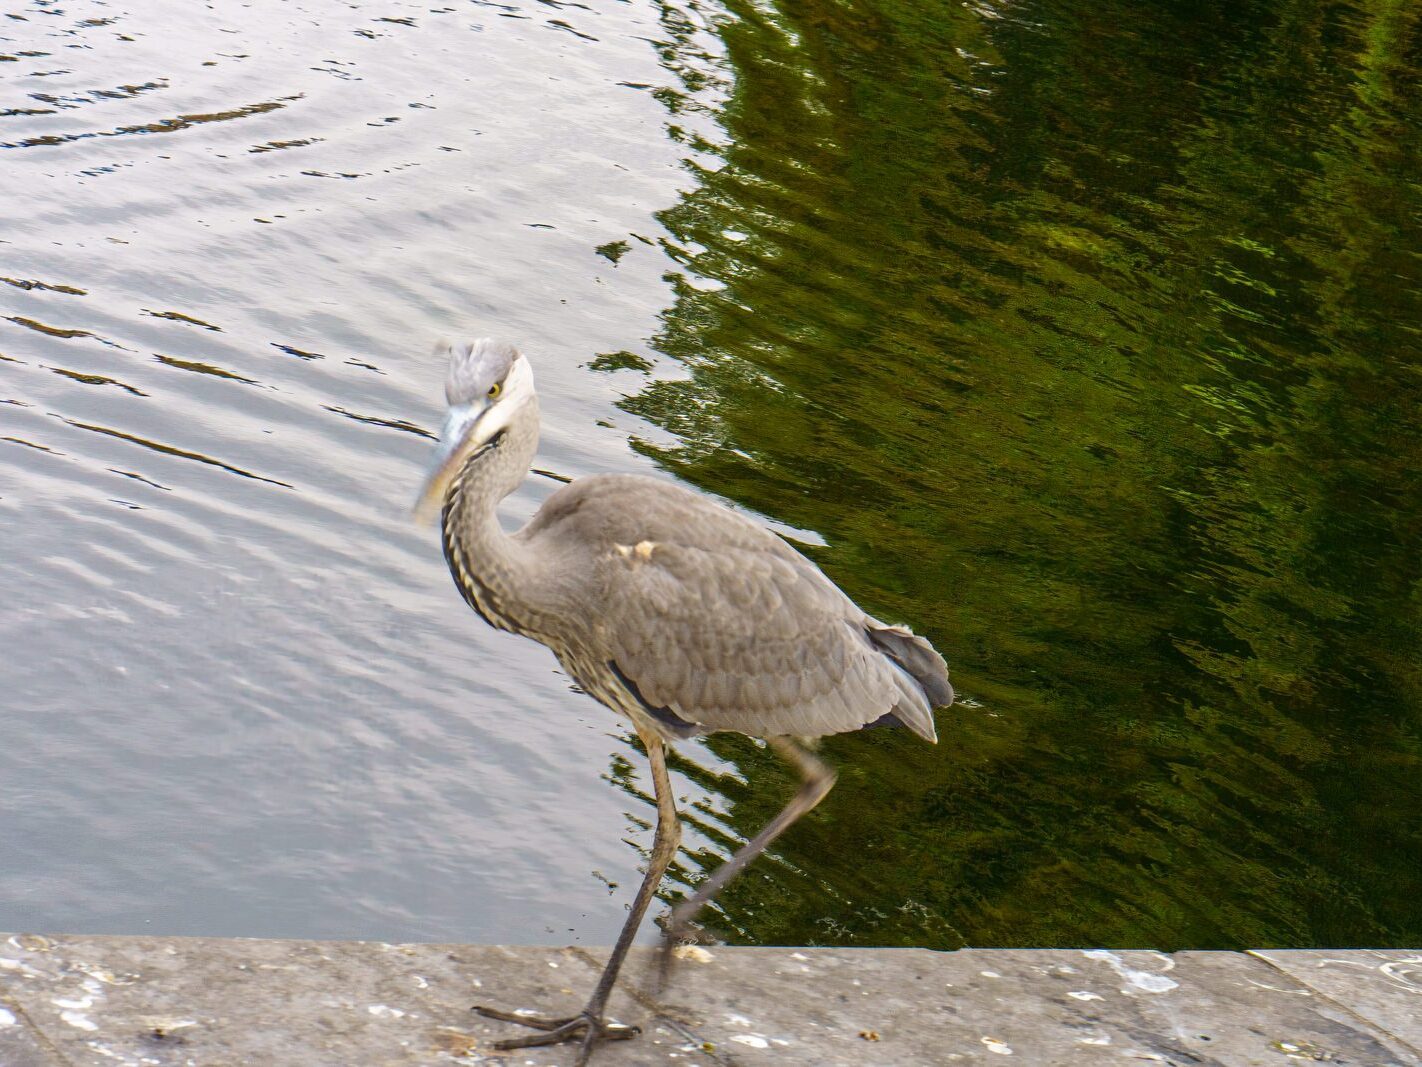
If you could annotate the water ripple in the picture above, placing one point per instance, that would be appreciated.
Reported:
(168, 125)
(1087, 336)
(169, 450)
(265, 712)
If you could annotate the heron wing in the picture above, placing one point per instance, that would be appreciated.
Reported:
(714, 623)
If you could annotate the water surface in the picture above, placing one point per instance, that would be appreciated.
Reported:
(240, 693)
(1088, 337)
(1083, 339)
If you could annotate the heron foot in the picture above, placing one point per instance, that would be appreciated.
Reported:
(587, 1025)
(677, 932)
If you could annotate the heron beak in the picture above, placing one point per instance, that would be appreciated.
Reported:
(458, 439)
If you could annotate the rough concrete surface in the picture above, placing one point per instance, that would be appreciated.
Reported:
(209, 1002)
(1382, 988)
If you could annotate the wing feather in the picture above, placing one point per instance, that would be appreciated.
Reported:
(710, 618)
(746, 640)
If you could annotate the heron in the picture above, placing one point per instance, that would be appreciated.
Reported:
(677, 613)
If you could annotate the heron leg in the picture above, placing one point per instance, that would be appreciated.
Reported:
(817, 780)
(588, 1024)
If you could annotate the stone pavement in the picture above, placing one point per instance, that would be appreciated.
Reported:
(211, 1002)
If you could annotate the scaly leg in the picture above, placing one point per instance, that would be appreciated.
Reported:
(588, 1024)
(818, 779)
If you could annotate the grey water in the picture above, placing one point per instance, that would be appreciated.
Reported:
(1084, 338)
(239, 694)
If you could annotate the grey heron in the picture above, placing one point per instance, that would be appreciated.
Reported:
(674, 611)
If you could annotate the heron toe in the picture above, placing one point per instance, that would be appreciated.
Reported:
(589, 1027)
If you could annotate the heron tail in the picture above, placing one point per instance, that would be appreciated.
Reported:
(927, 686)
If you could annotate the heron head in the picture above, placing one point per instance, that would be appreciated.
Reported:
(489, 383)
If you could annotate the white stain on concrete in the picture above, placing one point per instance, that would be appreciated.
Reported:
(1279, 989)
(19, 966)
(997, 1045)
(694, 953)
(752, 1040)
(75, 1010)
(1134, 979)
(1405, 973)
(7, 1018)
(99, 974)
(385, 1011)
(1082, 994)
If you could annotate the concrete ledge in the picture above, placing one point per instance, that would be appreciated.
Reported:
(71, 1001)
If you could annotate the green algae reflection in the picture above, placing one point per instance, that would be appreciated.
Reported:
(1090, 338)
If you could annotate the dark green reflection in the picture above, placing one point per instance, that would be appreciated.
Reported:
(1089, 336)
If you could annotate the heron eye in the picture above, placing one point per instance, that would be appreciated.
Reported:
(496, 389)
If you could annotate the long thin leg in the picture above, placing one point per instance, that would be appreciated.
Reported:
(589, 1022)
(818, 780)
(664, 845)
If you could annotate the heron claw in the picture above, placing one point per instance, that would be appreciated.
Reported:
(590, 1027)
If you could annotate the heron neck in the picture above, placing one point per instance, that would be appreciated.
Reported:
(491, 568)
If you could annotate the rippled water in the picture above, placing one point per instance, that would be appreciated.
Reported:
(1085, 338)
(241, 694)
(1090, 337)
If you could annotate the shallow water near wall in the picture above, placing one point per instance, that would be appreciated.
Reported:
(1086, 342)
